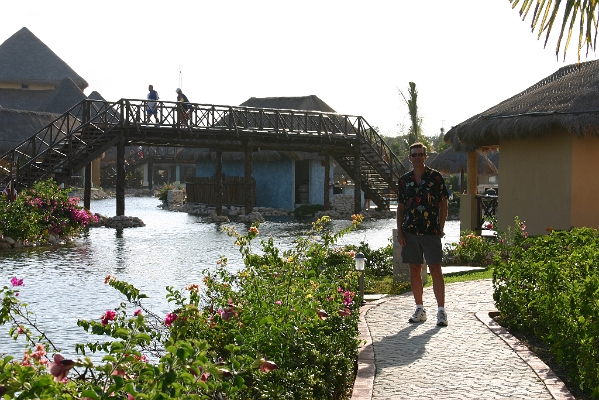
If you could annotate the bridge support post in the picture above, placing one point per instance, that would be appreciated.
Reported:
(120, 177)
(151, 172)
(248, 187)
(327, 181)
(218, 183)
(357, 179)
(87, 188)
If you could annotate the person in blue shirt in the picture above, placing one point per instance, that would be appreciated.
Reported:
(152, 108)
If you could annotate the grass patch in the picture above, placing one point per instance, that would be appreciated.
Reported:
(385, 285)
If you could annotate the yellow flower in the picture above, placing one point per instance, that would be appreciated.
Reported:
(194, 287)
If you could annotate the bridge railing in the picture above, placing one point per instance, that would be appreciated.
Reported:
(229, 118)
(61, 135)
(65, 136)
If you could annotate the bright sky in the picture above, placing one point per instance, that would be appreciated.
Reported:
(465, 56)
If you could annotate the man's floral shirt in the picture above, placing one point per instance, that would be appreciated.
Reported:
(422, 202)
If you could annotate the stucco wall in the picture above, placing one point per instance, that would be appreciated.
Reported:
(274, 180)
(585, 188)
(536, 182)
(317, 182)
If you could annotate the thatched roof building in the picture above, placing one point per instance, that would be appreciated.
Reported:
(26, 60)
(309, 103)
(567, 100)
(65, 96)
(19, 99)
(16, 126)
(548, 136)
(450, 161)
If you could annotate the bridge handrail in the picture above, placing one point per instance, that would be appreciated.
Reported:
(66, 129)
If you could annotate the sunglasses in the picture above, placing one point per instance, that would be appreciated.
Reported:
(417, 154)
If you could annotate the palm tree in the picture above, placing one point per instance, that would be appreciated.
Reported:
(416, 128)
(546, 12)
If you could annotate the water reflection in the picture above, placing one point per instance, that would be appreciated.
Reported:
(67, 283)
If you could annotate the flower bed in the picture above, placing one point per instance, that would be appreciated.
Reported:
(284, 326)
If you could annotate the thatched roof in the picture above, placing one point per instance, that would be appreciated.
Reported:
(307, 103)
(16, 126)
(95, 96)
(194, 154)
(567, 99)
(65, 96)
(450, 161)
(24, 59)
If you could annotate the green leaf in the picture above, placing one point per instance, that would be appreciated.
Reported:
(90, 394)
(144, 337)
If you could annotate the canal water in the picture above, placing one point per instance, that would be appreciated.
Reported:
(64, 284)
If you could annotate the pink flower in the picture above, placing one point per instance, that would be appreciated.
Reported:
(279, 302)
(16, 281)
(170, 318)
(322, 314)
(522, 226)
(60, 367)
(109, 315)
(267, 366)
(137, 312)
(525, 234)
(226, 314)
(130, 396)
(344, 313)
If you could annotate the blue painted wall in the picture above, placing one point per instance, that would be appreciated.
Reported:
(317, 182)
(275, 186)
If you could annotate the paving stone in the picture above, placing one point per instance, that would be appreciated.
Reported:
(465, 360)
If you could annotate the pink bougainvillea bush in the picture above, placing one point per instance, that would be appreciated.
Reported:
(40, 211)
(284, 325)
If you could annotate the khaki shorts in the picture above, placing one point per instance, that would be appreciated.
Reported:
(419, 245)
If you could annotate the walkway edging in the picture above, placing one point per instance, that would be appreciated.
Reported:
(555, 385)
(364, 382)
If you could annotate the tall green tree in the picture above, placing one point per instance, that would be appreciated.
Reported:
(547, 12)
(415, 131)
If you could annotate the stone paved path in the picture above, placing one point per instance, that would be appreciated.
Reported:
(465, 360)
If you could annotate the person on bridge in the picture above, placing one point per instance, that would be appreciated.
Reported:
(152, 104)
(185, 108)
(421, 213)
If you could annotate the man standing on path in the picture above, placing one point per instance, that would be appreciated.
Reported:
(152, 103)
(421, 214)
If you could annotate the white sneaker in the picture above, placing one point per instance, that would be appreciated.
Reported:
(441, 318)
(419, 315)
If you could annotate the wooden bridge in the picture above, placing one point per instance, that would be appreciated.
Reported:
(80, 135)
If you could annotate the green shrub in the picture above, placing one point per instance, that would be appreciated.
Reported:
(162, 191)
(307, 210)
(549, 285)
(379, 262)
